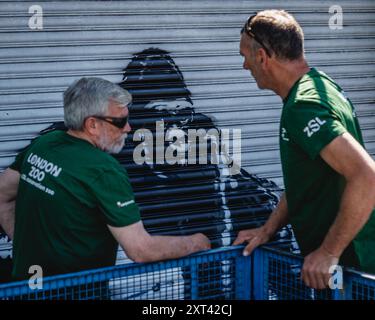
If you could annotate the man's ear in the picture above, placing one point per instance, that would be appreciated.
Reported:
(91, 126)
(262, 55)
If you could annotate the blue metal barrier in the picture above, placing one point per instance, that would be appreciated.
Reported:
(216, 274)
(268, 274)
(277, 276)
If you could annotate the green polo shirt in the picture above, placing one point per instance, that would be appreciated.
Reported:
(315, 112)
(69, 192)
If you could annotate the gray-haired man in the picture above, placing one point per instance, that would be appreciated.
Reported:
(71, 202)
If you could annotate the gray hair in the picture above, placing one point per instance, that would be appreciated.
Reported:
(88, 97)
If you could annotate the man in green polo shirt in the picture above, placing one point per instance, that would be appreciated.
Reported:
(71, 201)
(329, 177)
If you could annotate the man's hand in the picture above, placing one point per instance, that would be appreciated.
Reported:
(258, 236)
(254, 238)
(200, 242)
(315, 271)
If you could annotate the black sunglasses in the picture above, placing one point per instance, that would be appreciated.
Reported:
(250, 33)
(117, 122)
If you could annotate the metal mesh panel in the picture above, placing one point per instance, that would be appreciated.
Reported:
(360, 287)
(363, 291)
(277, 276)
(217, 274)
(285, 283)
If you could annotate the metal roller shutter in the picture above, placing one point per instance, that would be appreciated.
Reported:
(99, 38)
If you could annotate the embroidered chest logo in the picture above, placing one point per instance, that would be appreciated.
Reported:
(313, 126)
(284, 134)
(124, 204)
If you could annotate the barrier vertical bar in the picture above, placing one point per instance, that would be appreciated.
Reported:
(338, 294)
(260, 278)
(348, 288)
(243, 280)
(194, 280)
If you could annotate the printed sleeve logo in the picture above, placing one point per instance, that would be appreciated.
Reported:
(124, 204)
(313, 126)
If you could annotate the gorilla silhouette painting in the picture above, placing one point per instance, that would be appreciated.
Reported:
(183, 198)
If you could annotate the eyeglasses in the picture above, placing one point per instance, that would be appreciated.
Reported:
(251, 34)
(117, 122)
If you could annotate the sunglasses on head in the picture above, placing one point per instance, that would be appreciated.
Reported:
(250, 33)
(117, 122)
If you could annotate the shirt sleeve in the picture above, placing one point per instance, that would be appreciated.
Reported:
(17, 163)
(115, 198)
(313, 126)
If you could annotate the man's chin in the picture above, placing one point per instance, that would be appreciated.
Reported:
(117, 149)
(114, 149)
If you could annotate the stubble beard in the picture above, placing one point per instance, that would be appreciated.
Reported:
(109, 146)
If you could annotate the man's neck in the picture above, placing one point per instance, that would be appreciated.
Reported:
(81, 135)
(286, 74)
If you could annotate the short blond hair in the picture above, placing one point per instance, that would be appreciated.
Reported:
(279, 32)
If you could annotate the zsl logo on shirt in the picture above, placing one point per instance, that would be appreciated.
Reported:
(313, 126)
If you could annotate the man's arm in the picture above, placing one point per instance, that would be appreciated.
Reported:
(258, 236)
(346, 156)
(9, 180)
(140, 246)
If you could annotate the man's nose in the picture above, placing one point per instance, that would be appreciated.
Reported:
(244, 65)
(127, 128)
